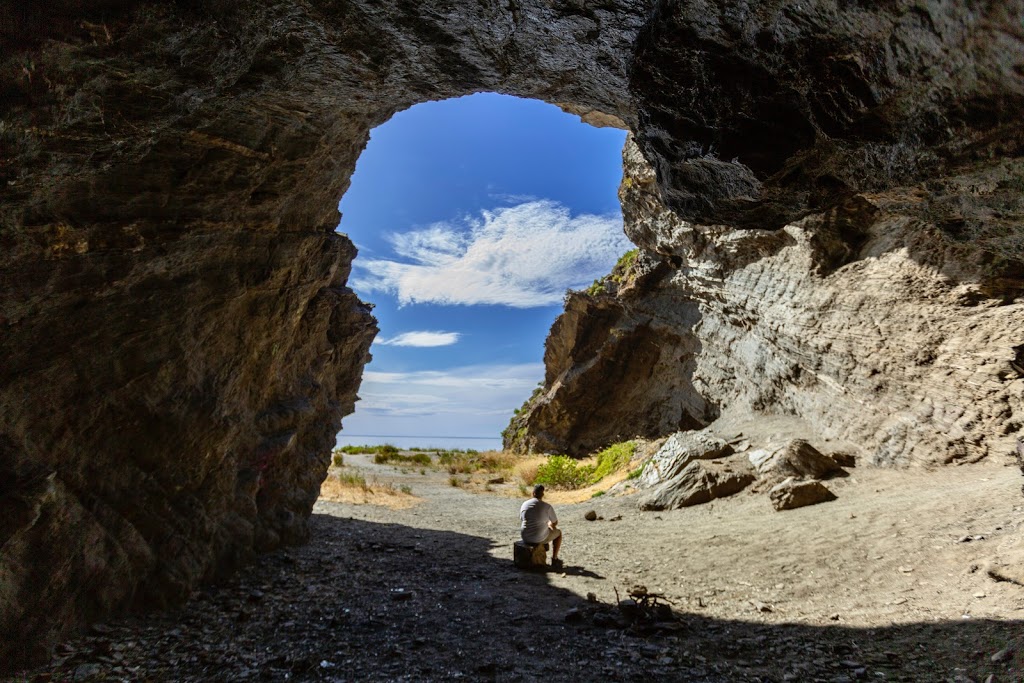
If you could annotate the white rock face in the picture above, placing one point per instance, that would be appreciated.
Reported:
(678, 451)
(867, 322)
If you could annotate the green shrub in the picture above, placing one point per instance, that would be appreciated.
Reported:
(635, 474)
(383, 457)
(597, 494)
(612, 459)
(353, 449)
(562, 472)
(338, 459)
(625, 262)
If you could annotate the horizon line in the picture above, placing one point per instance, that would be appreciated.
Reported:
(417, 436)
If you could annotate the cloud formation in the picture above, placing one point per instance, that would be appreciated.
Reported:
(421, 339)
(475, 400)
(521, 256)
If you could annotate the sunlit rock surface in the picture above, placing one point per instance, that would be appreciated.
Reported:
(872, 321)
(178, 342)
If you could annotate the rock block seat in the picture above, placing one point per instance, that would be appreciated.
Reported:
(528, 556)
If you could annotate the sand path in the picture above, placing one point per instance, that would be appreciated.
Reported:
(877, 585)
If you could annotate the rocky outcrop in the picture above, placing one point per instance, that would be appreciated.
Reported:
(179, 344)
(678, 451)
(695, 467)
(873, 322)
(791, 494)
(797, 459)
(699, 482)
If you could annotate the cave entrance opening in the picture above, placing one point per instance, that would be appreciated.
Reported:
(472, 217)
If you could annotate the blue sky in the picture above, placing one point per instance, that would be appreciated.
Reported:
(472, 217)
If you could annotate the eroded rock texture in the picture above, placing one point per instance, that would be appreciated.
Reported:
(177, 339)
(873, 322)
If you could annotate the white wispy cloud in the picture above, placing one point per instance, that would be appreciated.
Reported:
(521, 256)
(505, 198)
(470, 400)
(421, 339)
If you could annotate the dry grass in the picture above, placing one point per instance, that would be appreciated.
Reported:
(342, 487)
(487, 462)
(587, 492)
(525, 471)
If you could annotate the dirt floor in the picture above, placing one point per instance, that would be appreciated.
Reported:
(907, 576)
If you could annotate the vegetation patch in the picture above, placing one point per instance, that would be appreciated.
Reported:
(383, 448)
(612, 459)
(396, 458)
(562, 472)
(351, 480)
(352, 487)
(470, 461)
(624, 264)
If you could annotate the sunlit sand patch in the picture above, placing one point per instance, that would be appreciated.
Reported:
(586, 493)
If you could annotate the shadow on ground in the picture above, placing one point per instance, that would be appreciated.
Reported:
(367, 601)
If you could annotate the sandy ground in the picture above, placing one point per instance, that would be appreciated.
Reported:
(881, 584)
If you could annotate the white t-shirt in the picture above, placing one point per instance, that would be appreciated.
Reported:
(534, 517)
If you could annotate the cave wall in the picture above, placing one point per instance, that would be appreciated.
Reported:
(178, 342)
(869, 323)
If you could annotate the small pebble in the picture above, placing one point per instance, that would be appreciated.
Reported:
(1002, 656)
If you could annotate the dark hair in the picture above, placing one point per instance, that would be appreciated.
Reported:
(538, 491)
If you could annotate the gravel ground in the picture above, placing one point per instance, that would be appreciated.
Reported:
(908, 576)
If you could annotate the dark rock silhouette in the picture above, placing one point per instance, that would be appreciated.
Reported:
(178, 341)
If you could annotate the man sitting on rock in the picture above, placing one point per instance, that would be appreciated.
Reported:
(539, 523)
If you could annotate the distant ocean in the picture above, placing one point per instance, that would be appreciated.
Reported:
(476, 443)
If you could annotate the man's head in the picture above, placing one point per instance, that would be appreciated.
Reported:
(538, 491)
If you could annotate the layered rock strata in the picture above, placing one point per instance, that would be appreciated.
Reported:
(874, 322)
(178, 342)
(697, 466)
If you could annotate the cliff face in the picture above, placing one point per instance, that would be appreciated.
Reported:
(179, 344)
(870, 321)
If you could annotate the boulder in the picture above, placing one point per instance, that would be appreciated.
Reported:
(699, 482)
(791, 494)
(797, 459)
(678, 451)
